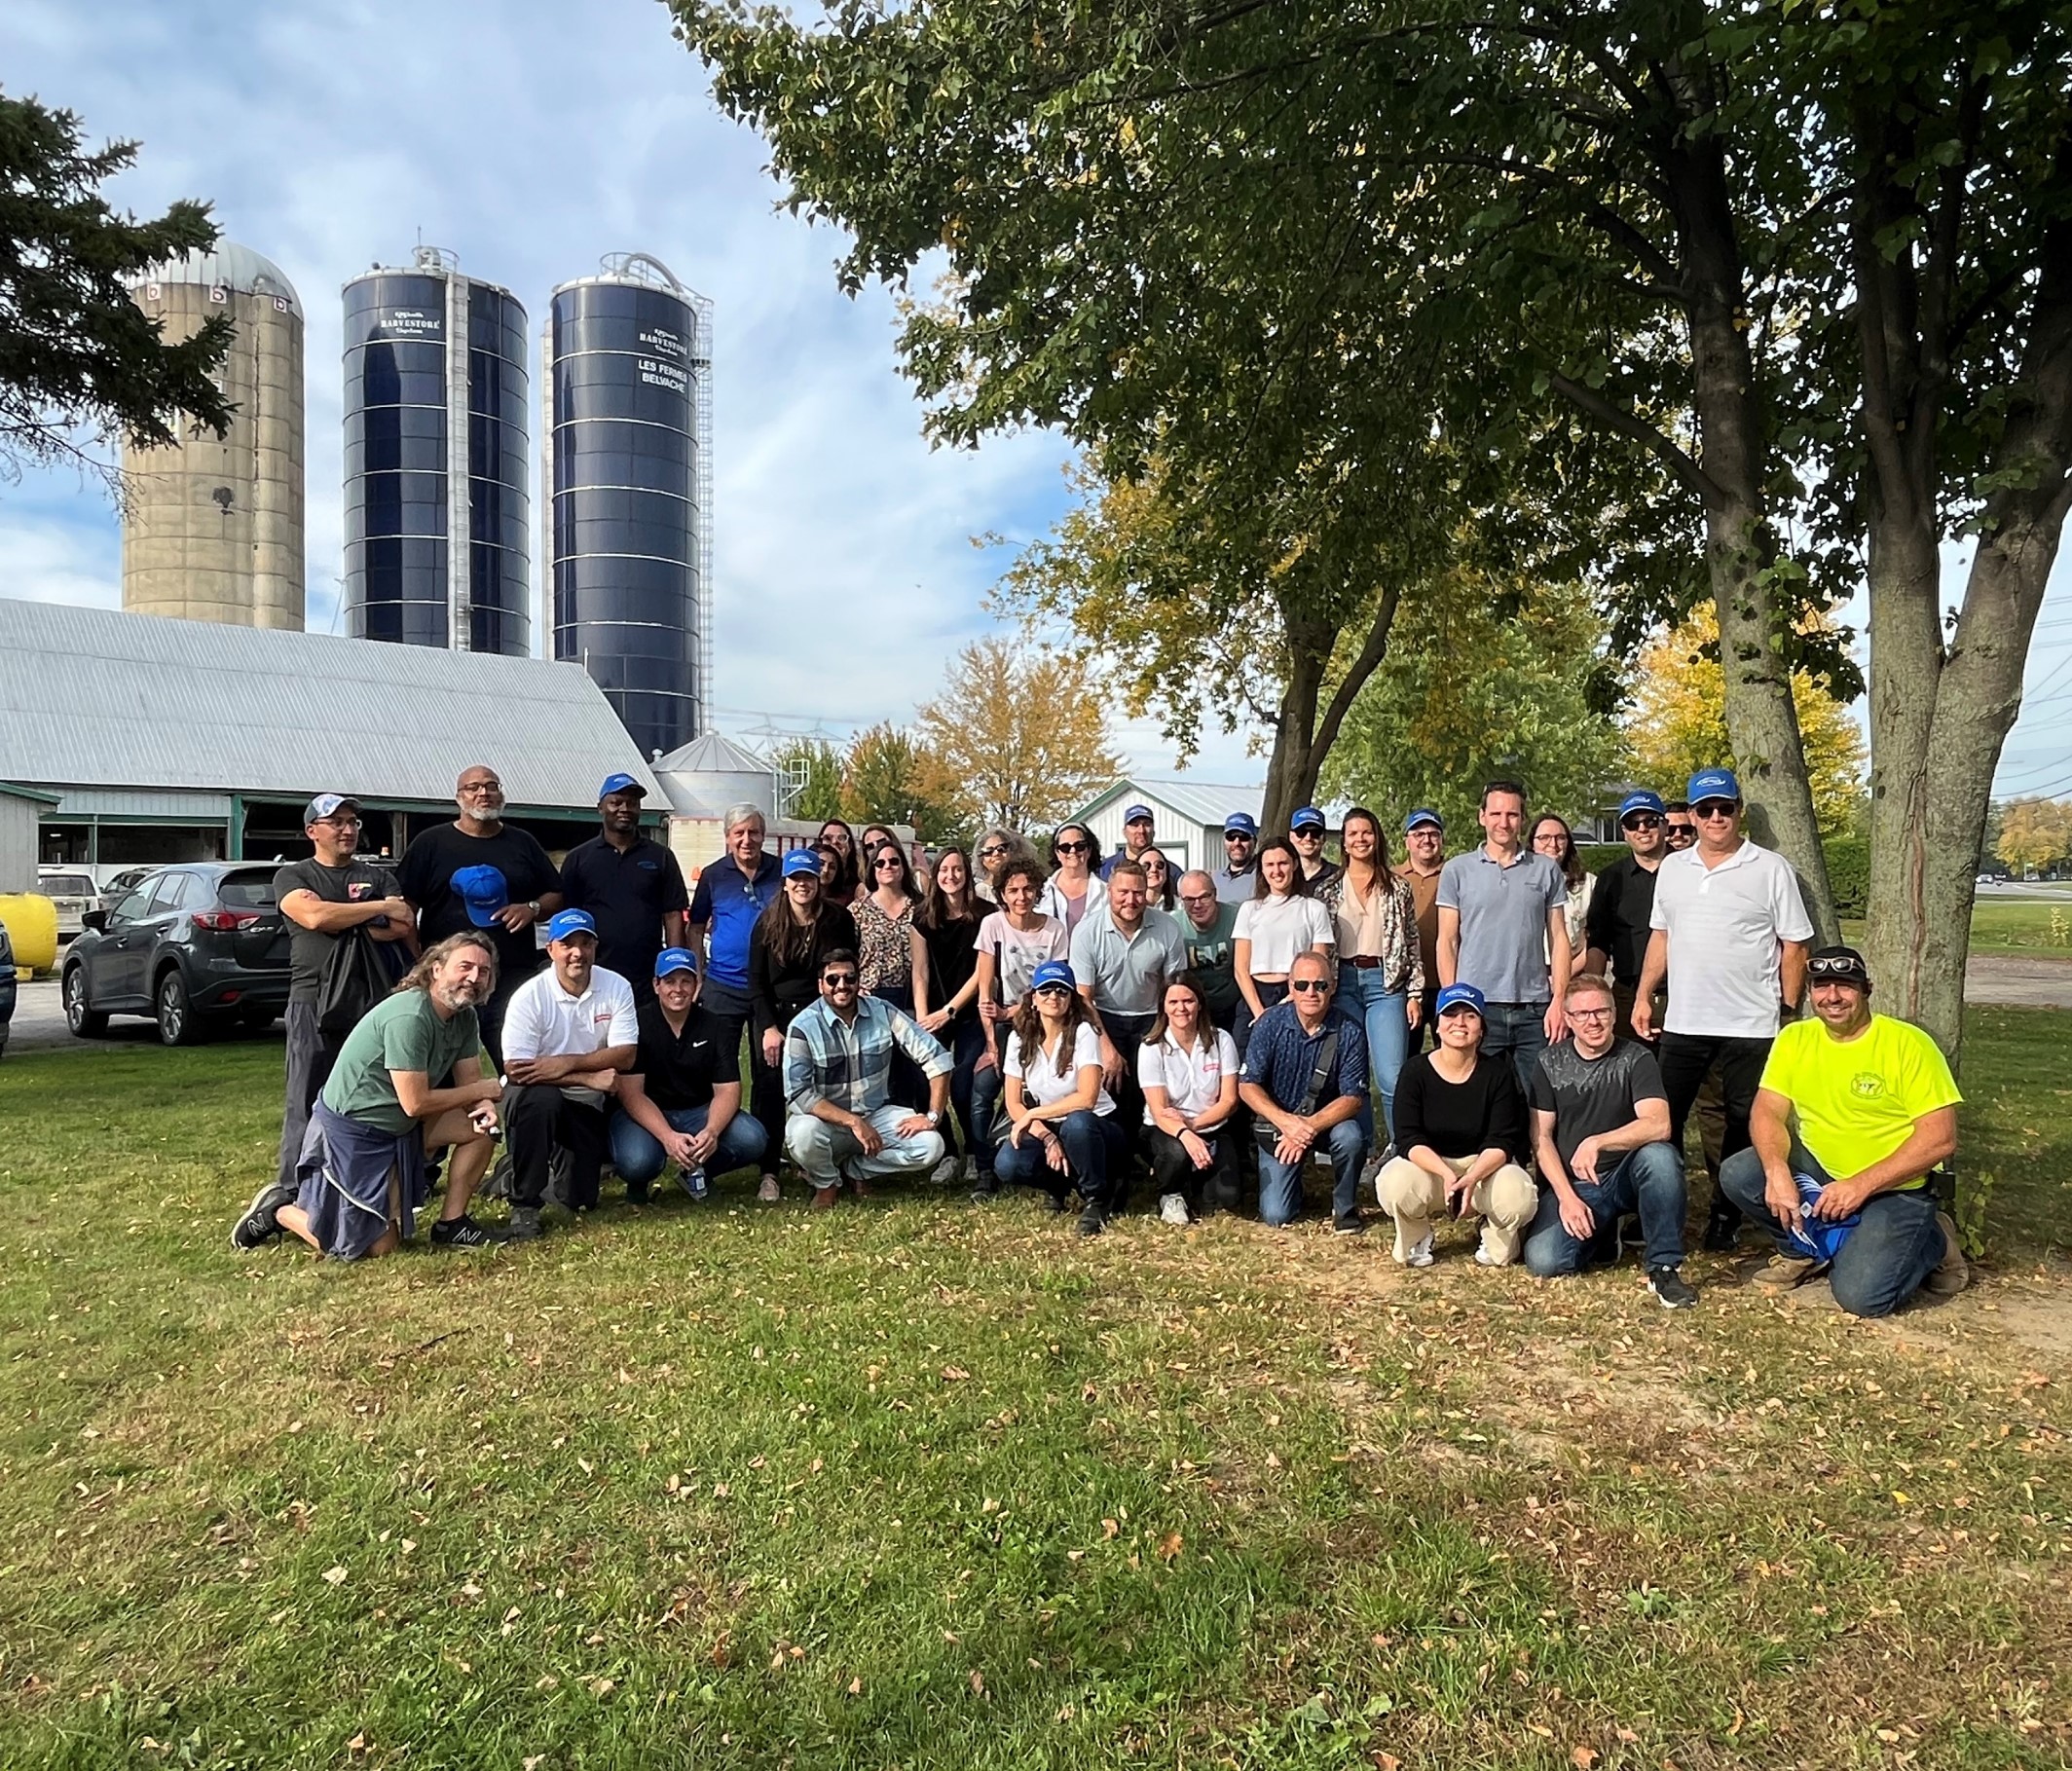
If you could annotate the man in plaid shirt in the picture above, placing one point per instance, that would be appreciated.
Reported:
(838, 1072)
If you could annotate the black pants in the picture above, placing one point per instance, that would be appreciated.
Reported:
(538, 1119)
(310, 1057)
(1687, 1060)
(1126, 1032)
(1216, 1188)
(762, 1084)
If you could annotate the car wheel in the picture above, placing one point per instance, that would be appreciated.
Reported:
(84, 1022)
(178, 1023)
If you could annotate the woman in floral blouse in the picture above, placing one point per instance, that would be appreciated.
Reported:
(1381, 976)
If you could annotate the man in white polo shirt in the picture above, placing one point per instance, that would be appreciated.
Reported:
(1729, 933)
(568, 1033)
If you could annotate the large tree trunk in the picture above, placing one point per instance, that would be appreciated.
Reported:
(1303, 736)
(1740, 546)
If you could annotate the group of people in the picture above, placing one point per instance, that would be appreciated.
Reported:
(1493, 1034)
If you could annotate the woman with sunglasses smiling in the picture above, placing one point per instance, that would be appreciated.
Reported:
(1161, 884)
(1013, 943)
(790, 940)
(1381, 960)
(1280, 921)
(997, 846)
(891, 950)
(1065, 895)
(1063, 1135)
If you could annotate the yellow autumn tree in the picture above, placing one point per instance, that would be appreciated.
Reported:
(1676, 724)
(2035, 833)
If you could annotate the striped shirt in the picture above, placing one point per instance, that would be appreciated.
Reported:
(849, 1063)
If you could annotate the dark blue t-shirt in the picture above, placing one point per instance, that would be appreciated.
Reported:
(727, 904)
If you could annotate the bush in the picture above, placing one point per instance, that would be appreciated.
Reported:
(1596, 857)
(1849, 874)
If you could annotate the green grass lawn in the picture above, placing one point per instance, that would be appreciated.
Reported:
(919, 1485)
(2023, 924)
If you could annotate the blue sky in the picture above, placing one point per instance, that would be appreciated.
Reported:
(529, 138)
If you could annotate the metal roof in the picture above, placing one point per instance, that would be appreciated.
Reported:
(713, 752)
(227, 264)
(94, 697)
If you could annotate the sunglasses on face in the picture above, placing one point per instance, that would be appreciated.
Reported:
(838, 980)
(1073, 848)
(1236, 837)
(883, 865)
(991, 849)
(1644, 821)
(1053, 991)
(1682, 832)
(1309, 986)
(1709, 809)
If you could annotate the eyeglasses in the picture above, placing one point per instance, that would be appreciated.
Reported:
(1198, 897)
(838, 980)
(1709, 809)
(339, 824)
(1051, 990)
(1591, 1014)
(480, 787)
(1073, 848)
(1309, 986)
(1643, 821)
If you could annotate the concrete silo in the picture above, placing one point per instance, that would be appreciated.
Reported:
(626, 386)
(213, 529)
(437, 476)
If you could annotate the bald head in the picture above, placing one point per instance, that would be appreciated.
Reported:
(1198, 897)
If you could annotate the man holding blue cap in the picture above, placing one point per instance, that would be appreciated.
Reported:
(479, 872)
(569, 1032)
(681, 1102)
(1728, 936)
(630, 883)
(1237, 877)
(1139, 835)
(1306, 836)
(1617, 924)
(1424, 846)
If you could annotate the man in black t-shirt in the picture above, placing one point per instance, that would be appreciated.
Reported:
(681, 1102)
(1617, 926)
(479, 872)
(1600, 1131)
(324, 899)
(631, 885)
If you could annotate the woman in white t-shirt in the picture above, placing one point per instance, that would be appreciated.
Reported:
(1188, 1070)
(1012, 942)
(1064, 1133)
(1278, 921)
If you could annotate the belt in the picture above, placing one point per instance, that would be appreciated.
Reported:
(1366, 962)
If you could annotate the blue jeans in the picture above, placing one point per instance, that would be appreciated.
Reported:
(966, 1041)
(1280, 1183)
(1382, 1014)
(638, 1156)
(1648, 1180)
(1898, 1244)
(986, 1087)
(1094, 1154)
(1517, 1031)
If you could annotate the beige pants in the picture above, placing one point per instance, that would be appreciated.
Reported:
(1504, 1203)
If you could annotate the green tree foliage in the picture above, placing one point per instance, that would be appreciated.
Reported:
(886, 777)
(79, 361)
(1484, 681)
(810, 770)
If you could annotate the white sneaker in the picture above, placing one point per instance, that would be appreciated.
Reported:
(1483, 1257)
(1172, 1209)
(1421, 1255)
(769, 1193)
(945, 1172)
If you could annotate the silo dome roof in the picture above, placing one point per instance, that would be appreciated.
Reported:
(229, 265)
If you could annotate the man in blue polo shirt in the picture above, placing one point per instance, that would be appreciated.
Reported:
(1139, 835)
(732, 892)
(630, 884)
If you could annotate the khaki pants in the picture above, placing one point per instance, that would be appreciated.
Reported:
(1504, 1203)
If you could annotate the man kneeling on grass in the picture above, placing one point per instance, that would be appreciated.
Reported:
(1601, 1130)
(1855, 1116)
(361, 1177)
(837, 1075)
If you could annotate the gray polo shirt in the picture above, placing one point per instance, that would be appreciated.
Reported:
(1127, 973)
(1237, 888)
(1504, 922)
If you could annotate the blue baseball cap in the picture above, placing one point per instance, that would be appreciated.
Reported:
(621, 783)
(482, 890)
(1713, 784)
(801, 861)
(1306, 816)
(1424, 815)
(1241, 821)
(563, 923)
(1136, 812)
(1052, 972)
(1463, 996)
(1642, 801)
(676, 959)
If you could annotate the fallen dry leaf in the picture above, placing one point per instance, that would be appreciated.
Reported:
(1109, 1527)
(1583, 1757)
(1170, 1546)
(335, 1575)
(978, 1682)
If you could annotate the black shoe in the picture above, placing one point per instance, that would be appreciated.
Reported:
(1671, 1288)
(1054, 1203)
(1093, 1220)
(1350, 1224)
(261, 1221)
(524, 1225)
(1721, 1230)
(985, 1192)
(462, 1232)
(636, 1193)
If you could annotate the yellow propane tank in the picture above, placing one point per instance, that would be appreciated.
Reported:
(31, 921)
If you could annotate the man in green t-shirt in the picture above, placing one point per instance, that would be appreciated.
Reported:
(1854, 1113)
(361, 1173)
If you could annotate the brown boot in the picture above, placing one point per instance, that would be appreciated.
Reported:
(1783, 1271)
(824, 1197)
(1951, 1274)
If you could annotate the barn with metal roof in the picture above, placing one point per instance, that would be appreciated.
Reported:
(168, 740)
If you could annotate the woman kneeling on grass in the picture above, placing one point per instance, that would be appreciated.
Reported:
(363, 1170)
(1064, 1133)
(1188, 1070)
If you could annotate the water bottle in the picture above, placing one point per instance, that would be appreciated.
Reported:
(694, 1181)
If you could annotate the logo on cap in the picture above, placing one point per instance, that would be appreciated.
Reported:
(676, 959)
(1052, 972)
(482, 890)
(1136, 814)
(1642, 801)
(1308, 818)
(1424, 815)
(621, 784)
(325, 804)
(565, 923)
(1713, 784)
(801, 862)
(1242, 821)
(1463, 996)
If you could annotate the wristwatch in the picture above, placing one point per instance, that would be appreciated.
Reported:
(935, 1119)
(532, 904)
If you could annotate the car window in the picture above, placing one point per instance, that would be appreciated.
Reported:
(173, 891)
(246, 891)
(65, 885)
(134, 905)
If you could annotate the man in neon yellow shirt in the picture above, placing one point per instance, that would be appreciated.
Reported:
(1853, 1113)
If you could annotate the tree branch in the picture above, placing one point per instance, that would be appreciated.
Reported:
(1635, 429)
(1362, 667)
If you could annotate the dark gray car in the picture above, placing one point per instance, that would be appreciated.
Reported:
(196, 947)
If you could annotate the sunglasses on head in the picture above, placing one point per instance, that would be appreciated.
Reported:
(1834, 970)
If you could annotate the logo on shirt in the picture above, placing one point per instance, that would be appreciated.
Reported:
(358, 891)
(1867, 1086)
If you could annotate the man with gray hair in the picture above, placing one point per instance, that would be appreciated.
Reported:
(731, 893)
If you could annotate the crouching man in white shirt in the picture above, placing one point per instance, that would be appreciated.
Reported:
(568, 1033)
